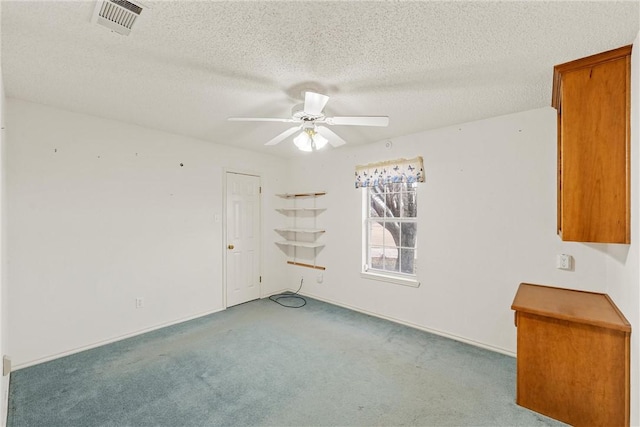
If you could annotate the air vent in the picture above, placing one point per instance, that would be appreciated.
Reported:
(117, 15)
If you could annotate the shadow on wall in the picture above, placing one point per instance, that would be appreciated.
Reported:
(618, 252)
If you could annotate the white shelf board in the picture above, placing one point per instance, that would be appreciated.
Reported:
(300, 209)
(295, 195)
(300, 244)
(302, 230)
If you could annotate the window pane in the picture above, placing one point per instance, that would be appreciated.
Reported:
(391, 259)
(396, 187)
(410, 204)
(392, 236)
(408, 234)
(372, 212)
(379, 188)
(376, 257)
(376, 233)
(393, 204)
(407, 261)
(376, 205)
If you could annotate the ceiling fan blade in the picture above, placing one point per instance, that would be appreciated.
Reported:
(359, 120)
(259, 119)
(281, 137)
(333, 138)
(314, 103)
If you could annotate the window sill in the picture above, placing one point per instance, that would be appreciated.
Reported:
(391, 279)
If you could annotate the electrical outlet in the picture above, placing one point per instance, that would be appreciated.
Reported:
(139, 302)
(563, 262)
(319, 278)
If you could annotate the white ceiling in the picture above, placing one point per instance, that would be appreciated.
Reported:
(188, 65)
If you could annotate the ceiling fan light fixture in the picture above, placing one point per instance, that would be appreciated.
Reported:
(310, 140)
(303, 141)
(319, 141)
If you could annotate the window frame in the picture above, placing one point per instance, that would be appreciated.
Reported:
(367, 271)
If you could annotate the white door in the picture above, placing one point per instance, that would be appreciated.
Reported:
(243, 238)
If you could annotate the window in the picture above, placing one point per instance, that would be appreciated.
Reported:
(391, 230)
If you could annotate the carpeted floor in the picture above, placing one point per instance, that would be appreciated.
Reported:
(263, 364)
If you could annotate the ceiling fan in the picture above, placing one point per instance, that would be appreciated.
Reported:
(309, 119)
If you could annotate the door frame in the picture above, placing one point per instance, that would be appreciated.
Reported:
(224, 228)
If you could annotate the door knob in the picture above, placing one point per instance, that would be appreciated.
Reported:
(230, 247)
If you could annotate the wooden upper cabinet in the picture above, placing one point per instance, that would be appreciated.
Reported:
(593, 97)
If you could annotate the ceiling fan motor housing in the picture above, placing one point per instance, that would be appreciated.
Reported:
(298, 113)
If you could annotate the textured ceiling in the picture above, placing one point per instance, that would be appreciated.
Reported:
(188, 65)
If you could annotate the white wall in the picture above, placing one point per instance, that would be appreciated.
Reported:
(486, 220)
(4, 382)
(101, 212)
(623, 262)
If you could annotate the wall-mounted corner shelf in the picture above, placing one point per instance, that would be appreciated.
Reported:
(295, 210)
(299, 195)
(302, 232)
(302, 264)
(300, 244)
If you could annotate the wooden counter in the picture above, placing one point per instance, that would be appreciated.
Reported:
(573, 358)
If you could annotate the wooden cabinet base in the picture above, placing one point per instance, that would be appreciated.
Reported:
(573, 356)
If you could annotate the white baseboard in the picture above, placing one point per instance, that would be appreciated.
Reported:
(122, 337)
(327, 300)
(111, 340)
(414, 325)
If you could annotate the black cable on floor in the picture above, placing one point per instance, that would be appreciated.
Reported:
(290, 295)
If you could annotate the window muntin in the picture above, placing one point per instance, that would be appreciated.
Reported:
(391, 229)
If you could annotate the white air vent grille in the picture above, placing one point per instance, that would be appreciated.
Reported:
(117, 15)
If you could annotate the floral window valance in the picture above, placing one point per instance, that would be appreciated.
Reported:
(401, 170)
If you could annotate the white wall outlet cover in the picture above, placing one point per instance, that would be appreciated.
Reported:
(563, 262)
(319, 278)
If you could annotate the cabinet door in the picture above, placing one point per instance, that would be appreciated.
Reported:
(594, 164)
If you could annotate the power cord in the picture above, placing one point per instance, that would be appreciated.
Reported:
(290, 295)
